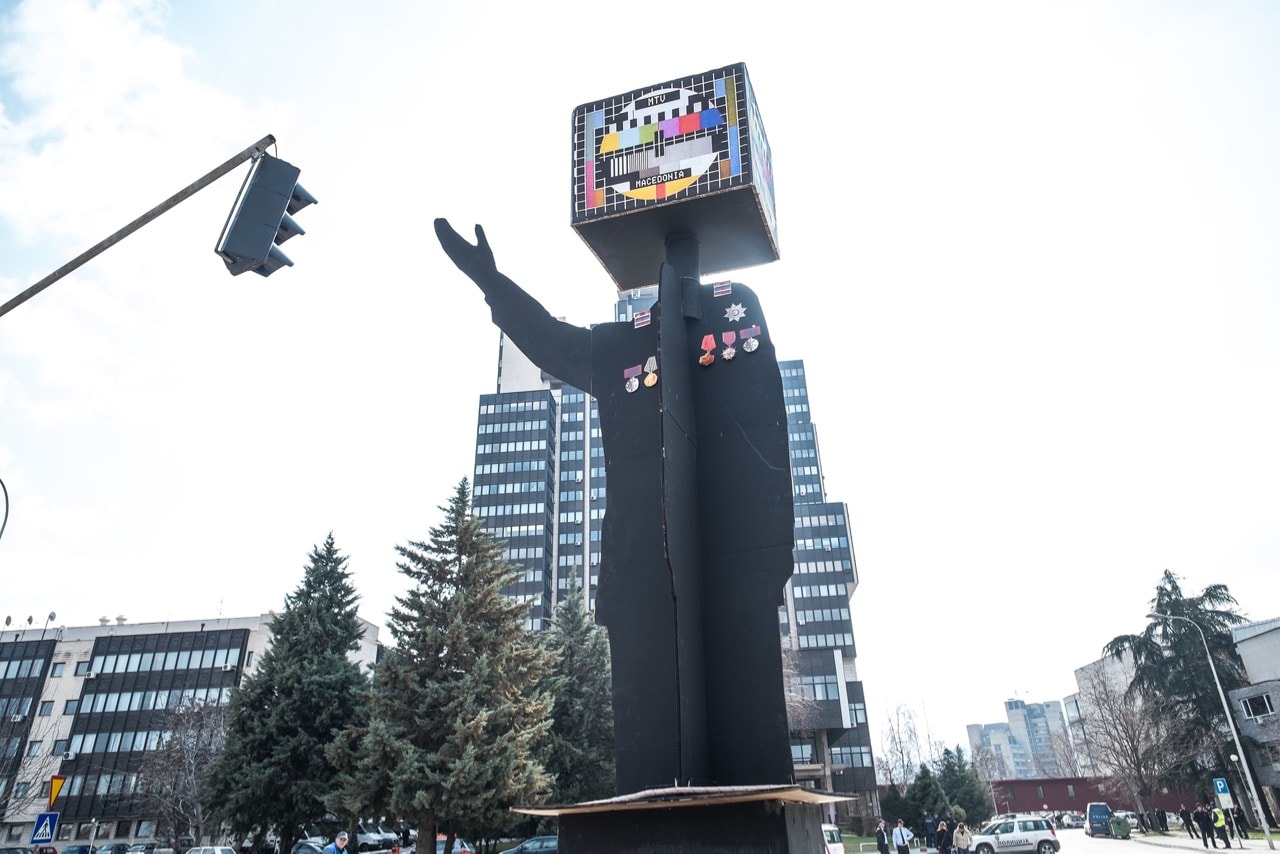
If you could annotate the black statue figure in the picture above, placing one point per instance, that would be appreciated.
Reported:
(698, 529)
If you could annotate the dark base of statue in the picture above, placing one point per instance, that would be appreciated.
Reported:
(729, 819)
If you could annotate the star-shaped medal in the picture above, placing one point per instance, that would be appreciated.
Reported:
(735, 312)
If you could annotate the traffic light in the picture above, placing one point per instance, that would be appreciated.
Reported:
(260, 220)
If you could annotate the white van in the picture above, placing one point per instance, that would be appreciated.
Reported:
(831, 836)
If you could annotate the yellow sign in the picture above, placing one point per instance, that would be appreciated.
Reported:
(55, 786)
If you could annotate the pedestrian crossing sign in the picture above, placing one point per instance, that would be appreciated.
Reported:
(45, 827)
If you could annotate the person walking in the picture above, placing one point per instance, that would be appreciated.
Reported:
(942, 837)
(930, 829)
(338, 845)
(1204, 821)
(1242, 824)
(1187, 823)
(882, 837)
(1220, 826)
(961, 840)
(902, 838)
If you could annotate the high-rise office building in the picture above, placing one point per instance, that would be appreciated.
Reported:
(539, 484)
(1033, 743)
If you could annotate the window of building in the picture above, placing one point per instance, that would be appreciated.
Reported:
(59, 747)
(82, 667)
(851, 757)
(1040, 792)
(20, 790)
(146, 829)
(34, 746)
(804, 751)
(14, 833)
(46, 708)
(1257, 707)
(1273, 752)
(71, 707)
(45, 788)
(55, 672)
(1071, 790)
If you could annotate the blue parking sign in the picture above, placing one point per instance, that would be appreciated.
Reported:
(1220, 785)
(43, 831)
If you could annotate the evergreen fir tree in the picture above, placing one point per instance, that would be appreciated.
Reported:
(923, 794)
(457, 715)
(1170, 663)
(578, 751)
(968, 795)
(272, 772)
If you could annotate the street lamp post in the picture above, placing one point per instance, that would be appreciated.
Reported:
(1231, 723)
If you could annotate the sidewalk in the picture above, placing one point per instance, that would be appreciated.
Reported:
(1179, 839)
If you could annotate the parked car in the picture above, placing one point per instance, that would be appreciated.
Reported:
(212, 849)
(1017, 832)
(151, 848)
(390, 839)
(44, 849)
(15, 850)
(114, 848)
(834, 841)
(538, 844)
(1072, 819)
(306, 846)
(460, 846)
(79, 849)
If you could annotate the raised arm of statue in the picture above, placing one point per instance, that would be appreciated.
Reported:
(560, 349)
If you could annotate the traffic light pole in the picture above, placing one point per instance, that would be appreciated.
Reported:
(255, 150)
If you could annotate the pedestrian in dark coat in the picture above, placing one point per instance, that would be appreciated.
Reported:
(1242, 824)
(1188, 824)
(942, 836)
(1204, 822)
(882, 837)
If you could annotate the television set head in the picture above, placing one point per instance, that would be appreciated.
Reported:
(688, 156)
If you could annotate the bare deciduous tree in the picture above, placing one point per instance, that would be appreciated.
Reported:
(900, 755)
(1137, 745)
(172, 778)
(802, 710)
(27, 761)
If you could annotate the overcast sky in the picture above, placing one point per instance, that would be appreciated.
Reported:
(1029, 257)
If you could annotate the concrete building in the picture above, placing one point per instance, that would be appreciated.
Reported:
(1030, 744)
(1109, 672)
(540, 484)
(88, 703)
(1254, 707)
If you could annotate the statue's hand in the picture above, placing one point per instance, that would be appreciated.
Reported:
(474, 260)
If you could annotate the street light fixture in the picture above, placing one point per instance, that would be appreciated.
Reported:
(1231, 723)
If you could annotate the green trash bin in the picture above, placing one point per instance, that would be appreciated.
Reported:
(1119, 828)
